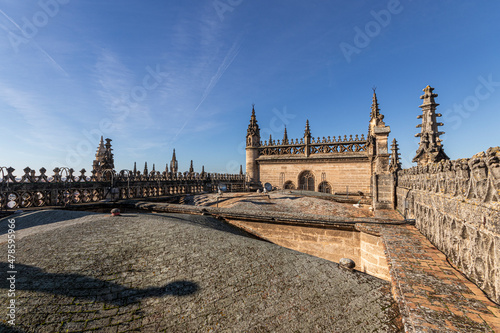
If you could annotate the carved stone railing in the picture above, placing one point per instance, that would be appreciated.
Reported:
(64, 188)
(456, 205)
(317, 146)
(475, 178)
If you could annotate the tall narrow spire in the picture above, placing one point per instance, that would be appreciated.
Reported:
(253, 131)
(395, 164)
(375, 109)
(191, 168)
(241, 169)
(270, 139)
(146, 168)
(135, 168)
(166, 168)
(285, 137)
(174, 165)
(430, 148)
(307, 132)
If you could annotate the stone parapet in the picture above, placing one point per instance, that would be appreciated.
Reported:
(456, 206)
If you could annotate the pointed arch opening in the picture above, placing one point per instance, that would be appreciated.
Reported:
(325, 187)
(306, 181)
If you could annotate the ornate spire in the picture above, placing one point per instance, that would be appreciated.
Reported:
(307, 132)
(395, 164)
(174, 166)
(241, 169)
(153, 168)
(202, 170)
(166, 168)
(270, 139)
(285, 138)
(103, 158)
(135, 168)
(146, 168)
(191, 168)
(100, 149)
(253, 131)
(430, 148)
(375, 109)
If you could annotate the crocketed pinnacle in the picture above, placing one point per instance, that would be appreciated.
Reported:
(430, 148)
(307, 132)
(395, 164)
(375, 109)
(253, 127)
(285, 137)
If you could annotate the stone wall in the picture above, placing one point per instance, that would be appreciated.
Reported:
(456, 206)
(365, 249)
(339, 173)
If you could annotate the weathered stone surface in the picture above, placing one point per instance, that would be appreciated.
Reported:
(456, 205)
(164, 273)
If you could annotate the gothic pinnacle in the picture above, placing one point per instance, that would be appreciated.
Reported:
(307, 132)
(375, 109)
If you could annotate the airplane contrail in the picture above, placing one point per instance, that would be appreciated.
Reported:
(51, 60)
(228, 60)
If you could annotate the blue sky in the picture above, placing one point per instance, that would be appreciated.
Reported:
(159, 75)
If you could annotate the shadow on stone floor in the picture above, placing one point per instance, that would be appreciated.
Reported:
(43, 217)
(32, 278)
(9, 329)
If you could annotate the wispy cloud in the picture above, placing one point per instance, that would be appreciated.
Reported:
(37, 125)
(115, 87)
(20, 33)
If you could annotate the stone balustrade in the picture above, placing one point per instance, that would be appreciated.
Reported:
(64, 187)
(456, 205)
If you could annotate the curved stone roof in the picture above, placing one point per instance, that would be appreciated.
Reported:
(80, 271)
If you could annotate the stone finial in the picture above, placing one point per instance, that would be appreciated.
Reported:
(191, 168)
(307, 132)
(285, 137)
(135, 168)
(146, 168)
(430, 148)
(375, 109)
(428, 96)
(174, 165)
(395, 164)
(241, 169)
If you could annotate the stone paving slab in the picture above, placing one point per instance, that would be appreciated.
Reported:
(432, 295)
(180, 273)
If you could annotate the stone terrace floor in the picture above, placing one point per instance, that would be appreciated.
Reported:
(83, 272)
(433, 296)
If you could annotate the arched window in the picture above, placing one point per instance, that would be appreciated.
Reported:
(306, 181)
(324, 187)
(289, 185)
